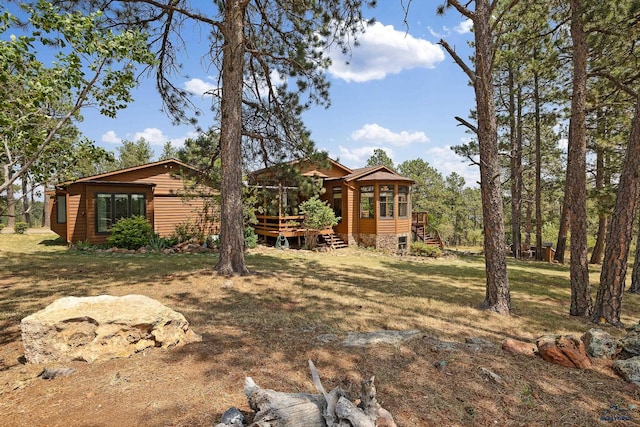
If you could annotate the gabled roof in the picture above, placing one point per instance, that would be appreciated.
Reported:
(373, 173)
(135, 168)
(310, 173)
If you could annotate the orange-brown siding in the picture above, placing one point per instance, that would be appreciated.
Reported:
(171, 210)
(162, 186)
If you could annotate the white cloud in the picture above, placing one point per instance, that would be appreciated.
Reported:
(357, 157)
(464, 27)
(377, 133)
(111, 137)
(200, 87)
(153, 136)
(383, 50)
(446, 161)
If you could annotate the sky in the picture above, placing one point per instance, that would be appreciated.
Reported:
(399, 92)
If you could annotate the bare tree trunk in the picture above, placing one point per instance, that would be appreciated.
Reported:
(613, 274)
(497, 297)
(231, 260)
(11, 207)
(528, 221)
(635, 275)
(46, 214)
(577, 169)
(26, 209)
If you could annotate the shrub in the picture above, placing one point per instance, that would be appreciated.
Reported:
(250, 238)
(130, 233)
(422, 249)
(20, 227)
(84, 245)
(188, 230)
(157, 243)
(318, 215)
(1, 226)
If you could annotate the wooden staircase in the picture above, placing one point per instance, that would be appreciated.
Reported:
(334, 241)
(427, 238)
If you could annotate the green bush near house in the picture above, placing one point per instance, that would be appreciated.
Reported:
(250, 238)
(130, 233)
(422, 249)
(20, 227)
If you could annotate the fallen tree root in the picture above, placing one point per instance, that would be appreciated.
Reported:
(332, 409)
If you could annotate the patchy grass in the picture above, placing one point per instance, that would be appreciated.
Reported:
(266, 326)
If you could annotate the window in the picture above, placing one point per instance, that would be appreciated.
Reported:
(337, 201)
(110, 207)
(61, 209)
(367, 202)
(402, 243)
(386, 201)
(403, 201)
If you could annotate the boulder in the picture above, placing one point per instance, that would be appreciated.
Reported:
(101, 328)
(630, 344)
(628, 369)
(519, 347)
(364, 339)
(565, 350)
(599, 343)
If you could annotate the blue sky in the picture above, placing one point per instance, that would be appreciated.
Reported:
(399, 93)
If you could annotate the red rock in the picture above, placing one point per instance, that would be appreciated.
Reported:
(519, 347)
(564, 350)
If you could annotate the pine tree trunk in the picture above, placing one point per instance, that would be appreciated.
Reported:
(497, 296)
(231, 260)
(563, 232)
(538, 149)
(620, 235)
(516, 164)
(603, 218)
(577, 170)
(635, 275)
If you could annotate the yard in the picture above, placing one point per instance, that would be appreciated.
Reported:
(266, 326)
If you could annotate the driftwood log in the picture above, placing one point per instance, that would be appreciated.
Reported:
(332, 409)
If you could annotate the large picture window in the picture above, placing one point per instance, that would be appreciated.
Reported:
(386, 201)
(110, 207)
(403, 201)
(61, 209)
(367, 202)
(337, 201)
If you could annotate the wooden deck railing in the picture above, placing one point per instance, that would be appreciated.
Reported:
(420, 218)
(288, 226)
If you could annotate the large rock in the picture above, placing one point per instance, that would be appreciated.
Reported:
(519, 347)
(564, 350)
(599, 343)
(628, 369)
(101, 328)
(364, 339)
(630, 344)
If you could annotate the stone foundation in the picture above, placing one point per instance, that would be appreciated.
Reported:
(383, 242)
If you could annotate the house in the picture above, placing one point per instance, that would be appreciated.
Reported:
(373, 203)
(164, 192)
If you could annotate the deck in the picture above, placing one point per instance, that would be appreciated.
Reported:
(287, 226)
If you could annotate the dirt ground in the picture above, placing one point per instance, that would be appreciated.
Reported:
(421, 383)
